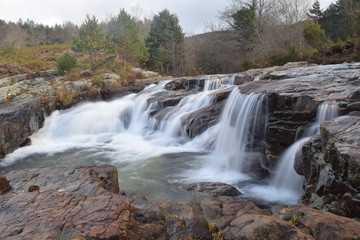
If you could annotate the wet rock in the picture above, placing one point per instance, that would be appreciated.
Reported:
(332, 165)
(18, 122)
(242, 79)
(4, 185)
(352, 107)
(54, 215)
(88, 181)
(293, 95)
(319, 224)
(183, 221)
(223, 210)
(252, 226)
(185, 84)
(115, 90)
(214, 189)
(199, 121)
(169, 99)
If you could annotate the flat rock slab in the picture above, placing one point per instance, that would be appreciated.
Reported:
(54, 215)
(89, 181)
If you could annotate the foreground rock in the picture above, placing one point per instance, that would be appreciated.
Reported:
(82, 203)
(213, 189)
(319, 224)
(331, 164)
(4, 185)
(89, 181)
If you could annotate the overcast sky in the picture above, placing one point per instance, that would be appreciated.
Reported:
(194, 15)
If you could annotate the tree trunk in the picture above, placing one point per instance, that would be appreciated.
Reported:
(91, 61)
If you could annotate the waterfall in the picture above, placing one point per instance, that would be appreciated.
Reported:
(216, 82)
(241, 120)
(286, 178)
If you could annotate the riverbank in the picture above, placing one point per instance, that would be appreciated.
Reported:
(84, 203)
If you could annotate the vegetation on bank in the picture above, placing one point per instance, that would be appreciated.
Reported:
(253, 33)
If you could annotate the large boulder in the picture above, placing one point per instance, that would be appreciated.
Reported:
(331, 165)
(319, 224)
(214, 189)
(17, 122)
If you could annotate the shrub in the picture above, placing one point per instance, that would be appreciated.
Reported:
(246, 65)
(314, 35)
(66, 63)
(9, 49)
(97, 79)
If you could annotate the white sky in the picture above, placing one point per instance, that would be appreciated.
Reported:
(193, 14)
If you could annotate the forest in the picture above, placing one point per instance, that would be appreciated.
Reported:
(250, 34)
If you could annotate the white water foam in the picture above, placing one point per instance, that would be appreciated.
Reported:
(286, 183)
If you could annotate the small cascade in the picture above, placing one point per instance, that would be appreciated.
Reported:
(326, 111)
(286, 178)
(216, 82)
(241, 121)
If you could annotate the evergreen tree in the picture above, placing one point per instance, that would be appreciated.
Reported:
(166, 36)
(338, 19)
(315, 11)
(125, 33)
(91, 39)
(245, 29)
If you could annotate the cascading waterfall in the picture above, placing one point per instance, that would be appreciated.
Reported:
(123, 132)
(241, 120)
(286, 177)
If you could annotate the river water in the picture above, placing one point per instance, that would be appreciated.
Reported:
(156, 157)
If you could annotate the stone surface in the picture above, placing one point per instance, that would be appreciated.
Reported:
(259, 227)
(319, 224)
(223, 210)
(89, 181)
(184, 221)
(80, 203)
(4, 185)
(185, 84)
(332, 165)
(214, 189)
(17, 122)
(54, 215)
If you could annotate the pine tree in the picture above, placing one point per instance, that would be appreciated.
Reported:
(91, 39)
(338, 19)
(245, 29)
(125, 33)
(166, 36)
(315, 11)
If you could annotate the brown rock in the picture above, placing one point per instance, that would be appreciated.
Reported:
(261, 227)
(214, 189)
(4, 185)
(184, 221)
(89, 181)
(331, 166)
(54, 215)
(223, 210)
(319, 224)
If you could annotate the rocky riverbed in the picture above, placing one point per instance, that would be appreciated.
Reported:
(86, 199)
(84, 203)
